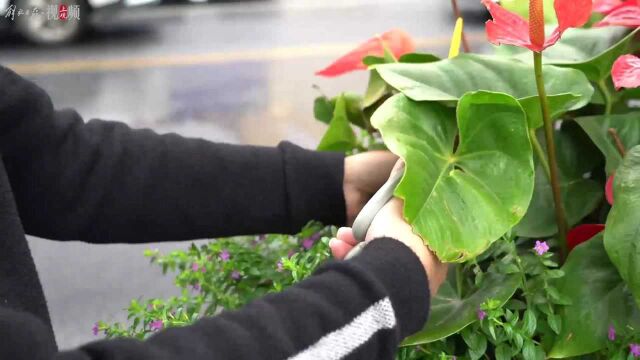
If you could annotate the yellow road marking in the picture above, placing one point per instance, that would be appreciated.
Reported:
(101, 65)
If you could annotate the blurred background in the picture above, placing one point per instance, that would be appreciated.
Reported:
(238, 72)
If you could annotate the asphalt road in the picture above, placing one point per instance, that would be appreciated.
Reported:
(240, 73)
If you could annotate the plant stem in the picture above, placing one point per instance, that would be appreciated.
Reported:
(617, 141)
(458, 14)
(540, 152)
(561, 218)
(606, 94)
(459, 279)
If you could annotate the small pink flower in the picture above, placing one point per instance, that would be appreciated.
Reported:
(612, 333)
(196, 287)
(307, 243)
(224, 255)
(279, 266)
(541, 247)
(634, 349)
(481, 315)
(194, 267)
(95, 329)
(156, 325)
(235, 275)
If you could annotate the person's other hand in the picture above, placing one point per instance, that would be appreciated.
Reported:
(364, 174)
(389, 222)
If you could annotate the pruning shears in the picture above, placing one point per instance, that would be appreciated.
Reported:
(370, 210)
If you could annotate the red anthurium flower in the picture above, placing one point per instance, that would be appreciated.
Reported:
(625, 14)
(582, 233)
(608, 190)
(397, 41)
(626, 72)
(605, 6)
(511, 29)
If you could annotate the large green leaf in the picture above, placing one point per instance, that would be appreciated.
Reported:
(592, 51)
(577, 156)
(450, 313)
(447, 80)
(622, 234)
(460, 202)
(599, 299)
(339, 136)
(626, 125)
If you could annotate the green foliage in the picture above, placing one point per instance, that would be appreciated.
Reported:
(224, 274)
(622, 234)
(339, 135)
(486, 183)
(627, 127)
(592, 51)
(598, 300)
(581, 195)
(448, 80)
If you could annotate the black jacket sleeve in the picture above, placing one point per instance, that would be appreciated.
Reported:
(356, 309)
(103, 182)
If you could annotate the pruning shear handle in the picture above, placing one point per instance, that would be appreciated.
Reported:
(370, 210)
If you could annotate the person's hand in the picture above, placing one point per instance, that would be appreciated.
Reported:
(389, 222)
(363, 175)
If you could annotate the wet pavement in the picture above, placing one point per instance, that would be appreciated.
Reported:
(240, 73)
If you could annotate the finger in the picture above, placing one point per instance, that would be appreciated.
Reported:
(346, 234)
(339, 248)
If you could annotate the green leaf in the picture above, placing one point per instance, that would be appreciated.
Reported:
(592, 51)
(460, 202)
(373, 60)
(529, 350)
(448, 80)
(451, 313)
(555, 322)
(417, 58)
(622, 233)
(503, 352)
(339, 135)
(599, 299)
(626, 125)
(581, 196)
(376, 89)
(529, 323)
(476, 342)
(323, 109)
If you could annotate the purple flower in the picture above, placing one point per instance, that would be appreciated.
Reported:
(235, 275)
(194, 267)
(196, 287)
(156, 325)
(307, 243)
(481, 315)
(279, 266)
(612, 333)
(224, 255)
(634, 349)
(95, 329)
(541, 247)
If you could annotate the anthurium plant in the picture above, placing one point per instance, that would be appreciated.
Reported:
(522, 170)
